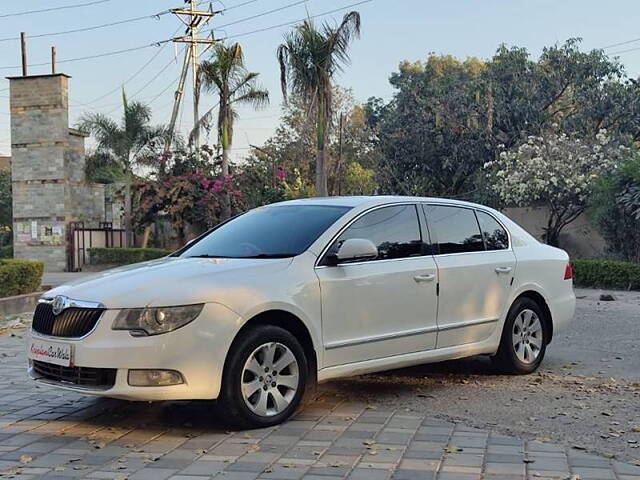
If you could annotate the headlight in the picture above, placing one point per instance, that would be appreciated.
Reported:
(153, 321)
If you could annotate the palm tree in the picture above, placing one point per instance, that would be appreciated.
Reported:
(227, 75)
(309, 59)
(124, 143)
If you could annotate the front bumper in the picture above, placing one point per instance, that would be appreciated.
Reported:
(197, 350)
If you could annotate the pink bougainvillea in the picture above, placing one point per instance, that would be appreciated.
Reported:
(218, 186)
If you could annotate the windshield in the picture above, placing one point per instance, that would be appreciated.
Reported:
(267, 232)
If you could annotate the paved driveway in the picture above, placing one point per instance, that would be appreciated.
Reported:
(450, 421)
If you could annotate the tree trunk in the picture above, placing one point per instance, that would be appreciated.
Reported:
(225, 132)
(321, 173)
(552, 231)
(128, 234)
(226, 195)
(321, 140)
(552, 238)
(145, 237)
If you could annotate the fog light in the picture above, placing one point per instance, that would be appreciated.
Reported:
(154, 378)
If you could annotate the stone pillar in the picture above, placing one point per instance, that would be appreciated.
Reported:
(47, 171)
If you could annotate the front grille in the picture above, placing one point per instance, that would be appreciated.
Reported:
(102, 378)
(72, 322)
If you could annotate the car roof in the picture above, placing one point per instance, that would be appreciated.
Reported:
(371, 200)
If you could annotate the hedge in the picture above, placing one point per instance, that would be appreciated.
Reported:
(6, 251)
(19, 276)
(124, 256)
(606, 274)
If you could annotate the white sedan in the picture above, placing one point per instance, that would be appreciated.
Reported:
(255, 311)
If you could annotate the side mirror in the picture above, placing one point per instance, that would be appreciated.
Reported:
(356, 249)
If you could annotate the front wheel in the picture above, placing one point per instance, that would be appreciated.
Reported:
(264, 379)
(524, 339)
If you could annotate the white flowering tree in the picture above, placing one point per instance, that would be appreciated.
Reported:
(553, 170)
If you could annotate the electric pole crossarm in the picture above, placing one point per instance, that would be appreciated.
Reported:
(204, 41)
(192, 13)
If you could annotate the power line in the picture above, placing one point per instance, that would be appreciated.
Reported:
(137, 72)
(263, 13)
(624, 51)
(95, 27)
(620, 43)
(295, 21)
(65, 7)
(135, 19)
(239, 5)
(89, 57)
(154, 78)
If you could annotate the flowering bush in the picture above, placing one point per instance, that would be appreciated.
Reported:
(555, 170)
(188, 190)
(189, 199)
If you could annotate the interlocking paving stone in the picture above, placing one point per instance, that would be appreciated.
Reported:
(589, 473)
(69, 435)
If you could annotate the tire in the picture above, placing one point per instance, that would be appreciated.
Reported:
(524, 339)
(252, 396)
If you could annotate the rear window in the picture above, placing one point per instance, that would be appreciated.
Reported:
(455, 229)
(495, 237)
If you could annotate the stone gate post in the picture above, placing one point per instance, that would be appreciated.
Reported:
(47, 171)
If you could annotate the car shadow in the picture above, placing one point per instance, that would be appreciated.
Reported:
(200, 415)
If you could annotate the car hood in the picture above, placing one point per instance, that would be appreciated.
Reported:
(167, 281)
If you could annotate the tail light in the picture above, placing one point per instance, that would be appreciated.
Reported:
(568, 273)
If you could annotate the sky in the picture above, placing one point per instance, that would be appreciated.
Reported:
(392, 31)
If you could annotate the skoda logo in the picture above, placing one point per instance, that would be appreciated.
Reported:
(58, 304)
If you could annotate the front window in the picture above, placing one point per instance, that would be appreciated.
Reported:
(275, 231)
(394, 230)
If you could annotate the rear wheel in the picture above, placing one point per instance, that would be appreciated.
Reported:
(524, 339)
(265, 378)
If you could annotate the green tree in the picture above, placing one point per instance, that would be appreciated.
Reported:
(554, 170)
(291, 148)
(433, 134)
(614, 212)
(126, 143)
(227, 75)
(309, 59)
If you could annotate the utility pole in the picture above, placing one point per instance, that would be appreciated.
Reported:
(23, 51)
(194, 20)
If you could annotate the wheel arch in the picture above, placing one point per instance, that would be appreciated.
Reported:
(287, 321)
(542, 303)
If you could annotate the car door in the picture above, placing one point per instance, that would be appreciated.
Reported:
(383, 306)
(475, 271)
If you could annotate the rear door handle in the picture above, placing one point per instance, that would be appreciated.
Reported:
(503, 269)
(425, 278)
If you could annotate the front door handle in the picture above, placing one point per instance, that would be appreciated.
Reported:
(503, 269)
(425, 278)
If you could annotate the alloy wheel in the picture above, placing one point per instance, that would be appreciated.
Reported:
(527, 336)
(270, 379)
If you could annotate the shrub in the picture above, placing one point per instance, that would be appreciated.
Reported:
(124, 256)
(19, 276)
(6, 251)
(613, 212)
(606, 274)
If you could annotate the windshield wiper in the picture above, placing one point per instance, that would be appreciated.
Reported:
(273, 255)
(206, 255)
